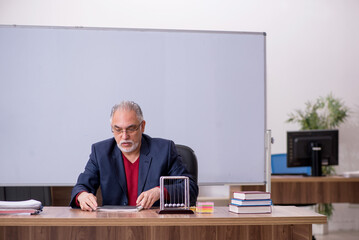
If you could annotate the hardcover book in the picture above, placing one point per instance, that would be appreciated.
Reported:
(240, 202)
(250, 209)
(251, 195)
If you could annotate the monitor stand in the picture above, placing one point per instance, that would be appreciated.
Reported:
(316, 159)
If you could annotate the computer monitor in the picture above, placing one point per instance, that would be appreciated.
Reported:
(312, 148)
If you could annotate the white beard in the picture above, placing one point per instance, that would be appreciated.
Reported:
(127, 150)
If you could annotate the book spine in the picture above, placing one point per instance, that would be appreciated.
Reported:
(251, 202)
(250, 209)
(251, 212)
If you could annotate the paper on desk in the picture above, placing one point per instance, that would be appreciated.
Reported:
(116, 208)
(28, 204)
(351, 174)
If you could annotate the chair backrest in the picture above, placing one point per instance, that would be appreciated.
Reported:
(279, 166)
(189, 160)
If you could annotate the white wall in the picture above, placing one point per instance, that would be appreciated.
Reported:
(312, 45)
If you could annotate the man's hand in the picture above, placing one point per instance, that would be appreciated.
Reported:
(148, 198)
(87, 201)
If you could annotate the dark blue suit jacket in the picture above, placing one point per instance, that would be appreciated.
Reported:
(158, 157)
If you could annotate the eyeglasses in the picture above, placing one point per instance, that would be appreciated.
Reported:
(131, 129)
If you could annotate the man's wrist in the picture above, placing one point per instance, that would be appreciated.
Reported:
(76, 199)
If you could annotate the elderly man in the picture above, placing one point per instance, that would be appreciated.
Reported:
(129, 165)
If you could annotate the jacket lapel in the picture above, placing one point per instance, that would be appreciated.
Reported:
(145, 163)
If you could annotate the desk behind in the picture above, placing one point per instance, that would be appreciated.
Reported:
(310, 190)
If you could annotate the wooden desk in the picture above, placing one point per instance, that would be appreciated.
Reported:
(286, 222)
(310, 190)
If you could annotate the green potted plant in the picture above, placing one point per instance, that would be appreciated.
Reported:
(324, 113)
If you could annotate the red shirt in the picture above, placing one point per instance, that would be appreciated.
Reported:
(131, 170)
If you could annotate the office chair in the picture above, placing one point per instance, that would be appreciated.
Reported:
(189, 160)
(279, 166)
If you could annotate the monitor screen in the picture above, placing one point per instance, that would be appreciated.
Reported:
(308, 147)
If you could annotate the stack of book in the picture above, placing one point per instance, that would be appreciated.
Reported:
(251, 202)
(20, 207)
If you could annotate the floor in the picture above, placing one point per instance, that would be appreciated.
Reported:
(342, 235)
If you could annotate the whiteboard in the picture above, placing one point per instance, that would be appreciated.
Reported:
(203, 89)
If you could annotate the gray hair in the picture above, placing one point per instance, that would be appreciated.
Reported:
(129, 106)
